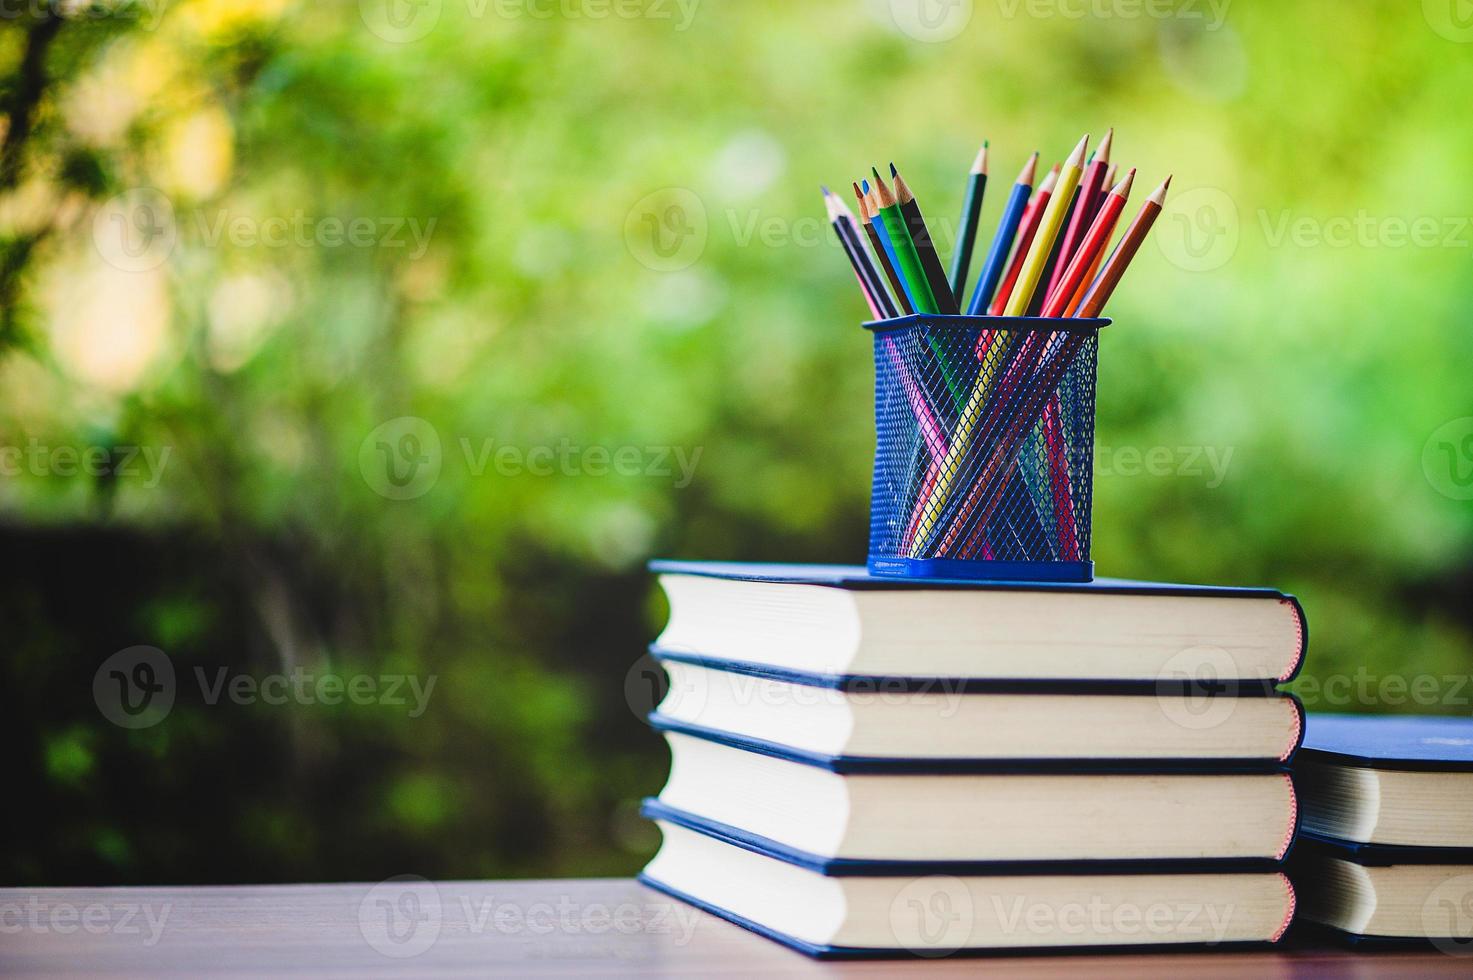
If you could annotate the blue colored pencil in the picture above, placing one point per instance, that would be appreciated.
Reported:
(1002, 242)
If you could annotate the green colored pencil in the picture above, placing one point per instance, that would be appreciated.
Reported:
(906, 255)
(966, 237)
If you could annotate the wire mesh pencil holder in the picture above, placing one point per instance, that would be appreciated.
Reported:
(984, 456)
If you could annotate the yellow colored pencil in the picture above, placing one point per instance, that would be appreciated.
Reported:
(1028, 276)
(1048, 230)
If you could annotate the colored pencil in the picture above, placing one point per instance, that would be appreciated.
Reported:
(845, 227)
(966, 237)
(1091, 246)
(882, 234)
(1007, 230)
(849, 228)
(882, 254)
(1029, 227)
(910, 210)
(1091, 194)
(1130, 243)
(1035, 303)
(1048, 231)
(1112, 176)
(907, 260)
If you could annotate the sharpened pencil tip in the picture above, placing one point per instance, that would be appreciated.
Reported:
(825, 189)
(1077, 156)
(893, 171)
(979, 165)
(1030, 171)
(865, 185)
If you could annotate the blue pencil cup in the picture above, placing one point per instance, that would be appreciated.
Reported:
(984, 455)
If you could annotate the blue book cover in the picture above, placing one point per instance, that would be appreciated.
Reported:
(1390, 742)
(877, 765)
(858, 577)
(1258, 679)
(835, 867)
(1314, 844)
(888, 684)
(825, 952)
(655, 810)
(1304, 871)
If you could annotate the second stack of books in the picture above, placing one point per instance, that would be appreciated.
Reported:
(875, 767)
(1387, 854)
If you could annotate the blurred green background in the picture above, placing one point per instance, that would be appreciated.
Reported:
(390, 339)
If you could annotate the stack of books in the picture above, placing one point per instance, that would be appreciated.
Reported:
(1387, 852)
(870, 766)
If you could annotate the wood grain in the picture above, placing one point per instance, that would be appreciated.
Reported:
(559, 928)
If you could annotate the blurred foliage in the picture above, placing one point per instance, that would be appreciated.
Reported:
(620, 244)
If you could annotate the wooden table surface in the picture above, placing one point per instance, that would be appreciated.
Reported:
(561, 928)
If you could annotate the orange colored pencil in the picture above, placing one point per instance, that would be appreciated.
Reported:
(1099, 294)
(1086, 282)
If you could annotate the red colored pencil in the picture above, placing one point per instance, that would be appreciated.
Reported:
(1092, 245)
(1104, 287)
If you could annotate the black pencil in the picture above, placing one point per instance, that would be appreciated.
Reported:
(910, 210)
(843, 223)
